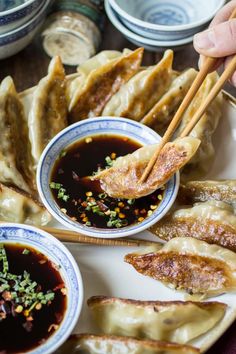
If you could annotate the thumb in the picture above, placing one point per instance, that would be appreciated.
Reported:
(218, 41)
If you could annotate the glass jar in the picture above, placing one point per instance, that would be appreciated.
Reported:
(73, 30)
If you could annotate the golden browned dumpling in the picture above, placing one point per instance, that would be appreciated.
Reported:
(190, 265)
(202, 191)
(48, 112)
(173, 321)
(103, 344)
(142, 91)
(213, 222)
(16, 164)
(163, 111)
(99, 86)
(17, 206)
(122, 179)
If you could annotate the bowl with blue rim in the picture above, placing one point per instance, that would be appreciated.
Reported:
(166, 20)
(15, 13)
(41, 290)
(150, 44)
(16, 39)
(77, 133)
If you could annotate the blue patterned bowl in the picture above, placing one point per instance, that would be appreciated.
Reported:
(166, 19)
(58, 254)
(14, 13)
(90, 127)
(14, 41)
(147, 43)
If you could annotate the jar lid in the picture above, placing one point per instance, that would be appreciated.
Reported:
(72, 47)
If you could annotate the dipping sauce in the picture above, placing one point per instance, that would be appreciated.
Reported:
(32, 298)
(84, 205)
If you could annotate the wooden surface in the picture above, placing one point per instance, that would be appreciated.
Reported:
(29, 66)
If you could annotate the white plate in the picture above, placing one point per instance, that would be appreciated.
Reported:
(105, 273)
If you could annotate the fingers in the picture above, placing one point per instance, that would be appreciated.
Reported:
(218, 41)
(223, 14)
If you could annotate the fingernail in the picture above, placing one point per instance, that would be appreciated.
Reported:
(205, 40)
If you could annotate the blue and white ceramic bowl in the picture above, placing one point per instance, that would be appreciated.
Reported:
(14, 41)
(147, 43)
(166, 19)
(87, 128)
(14, 14)
(58, 254)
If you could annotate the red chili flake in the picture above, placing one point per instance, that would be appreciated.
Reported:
(59, 286)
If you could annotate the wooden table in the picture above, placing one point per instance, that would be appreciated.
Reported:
(29, 66)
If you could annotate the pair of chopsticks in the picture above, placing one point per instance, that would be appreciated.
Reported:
(75, 237)
(205, 69)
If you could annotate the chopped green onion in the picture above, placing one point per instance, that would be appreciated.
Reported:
(26, 252)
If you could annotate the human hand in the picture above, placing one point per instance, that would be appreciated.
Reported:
(219, 41)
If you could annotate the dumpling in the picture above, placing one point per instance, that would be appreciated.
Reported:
(188, 264)
(163, 111)
(48, 113)
(102, 83)
(142, 91)
(16, 165)
(202, 191)
(16, 206)
(213, 222)
(87, 67)
(200, 163)
(173, 321)
(103, 344)
(122, 179)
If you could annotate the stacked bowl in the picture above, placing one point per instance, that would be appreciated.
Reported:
(160, 24)
(19, 22)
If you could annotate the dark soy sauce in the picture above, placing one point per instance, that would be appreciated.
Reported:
(14, 338)
(83, 159)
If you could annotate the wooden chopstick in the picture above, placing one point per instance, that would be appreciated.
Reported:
(72, 236)
(205, 69)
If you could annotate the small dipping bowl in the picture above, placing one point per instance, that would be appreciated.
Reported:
(56, 252)
(90, 128)
(166, 20)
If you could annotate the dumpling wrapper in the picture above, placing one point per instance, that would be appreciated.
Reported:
(19, 207)
(103, 344)
(203, 130)
(213, 222)
(185, 263)
(102, 83)
(87, 67)
(202, 191)
(16, 164)
(122, 179)
(163, 111)
(173, 321)
(48, 113)
(142, 91)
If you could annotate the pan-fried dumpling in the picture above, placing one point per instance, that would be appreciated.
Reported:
(200, 163)
(16, 206)
(185, 263)
(122, 179)
(163, 111)
(15, 155)
(213, 222)
(173, 321)
(103, 344)
(202, 191)
(87, 67)
(142, 91)
(48, 114)
(102, 83)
